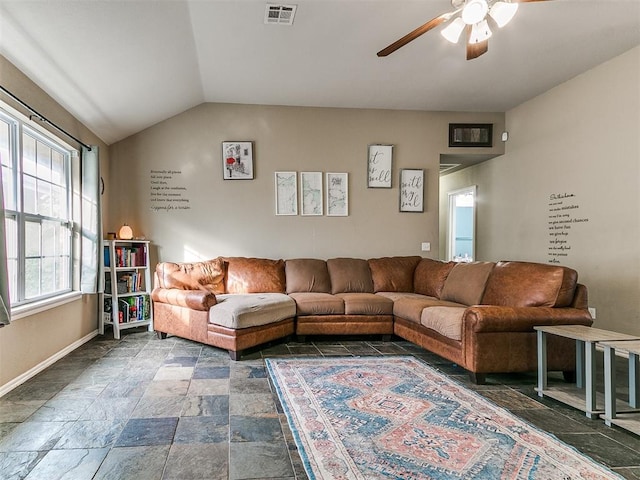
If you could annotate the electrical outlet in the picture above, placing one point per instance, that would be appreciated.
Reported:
(426, 246)
(592, 312)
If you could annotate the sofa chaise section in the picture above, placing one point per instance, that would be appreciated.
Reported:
(232, 303)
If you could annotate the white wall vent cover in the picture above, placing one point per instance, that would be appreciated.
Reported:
(279, 14)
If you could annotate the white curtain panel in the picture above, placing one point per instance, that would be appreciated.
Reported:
(91, 227)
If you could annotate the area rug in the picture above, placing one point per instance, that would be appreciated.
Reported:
(398, 418)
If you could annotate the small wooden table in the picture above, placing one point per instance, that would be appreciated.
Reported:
(630, 419)
(586, 339)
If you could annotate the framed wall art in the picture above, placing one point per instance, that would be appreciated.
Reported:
(286, 184)
(337, 185)
(379, 164)
(237, 160)
(470, 134)
(311, 193)
(411, 190)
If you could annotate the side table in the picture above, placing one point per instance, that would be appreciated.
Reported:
(583, 396)
(630, 419)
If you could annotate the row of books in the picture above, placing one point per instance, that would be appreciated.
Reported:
(131, 309)
(134, 281)
(126, 256)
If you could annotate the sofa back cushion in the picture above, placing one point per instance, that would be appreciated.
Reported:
(208, 275)
(350, 275)
(430, 275)
(466, 282)
(307, 275)
(393, 274)
(255, 275)
(524, 284)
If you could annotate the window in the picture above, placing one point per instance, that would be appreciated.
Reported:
(36, 179)
(462, 225)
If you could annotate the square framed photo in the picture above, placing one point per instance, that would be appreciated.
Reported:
(411, 190)
(311, 193)
(237, 160)
(379, 166)
(337, 185)
(286, 193)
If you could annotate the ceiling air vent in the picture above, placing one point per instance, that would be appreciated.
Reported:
(279, 14)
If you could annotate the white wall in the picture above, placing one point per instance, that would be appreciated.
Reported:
(238, 217)
(581, 138)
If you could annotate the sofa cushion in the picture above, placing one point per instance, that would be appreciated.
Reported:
(307, 275)
(349, 275)
(366, 304)
(430, 275)
(251, 310)
(318, 303)
(447, 321)
(524, 284)
(207, 275)
(393, 274)
(410, 307)
(466, 282)
(255, 275)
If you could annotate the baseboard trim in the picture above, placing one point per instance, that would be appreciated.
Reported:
(7, 387)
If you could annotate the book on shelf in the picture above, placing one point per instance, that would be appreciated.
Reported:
(131, 256)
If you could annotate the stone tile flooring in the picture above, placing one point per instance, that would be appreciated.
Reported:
(141, 408)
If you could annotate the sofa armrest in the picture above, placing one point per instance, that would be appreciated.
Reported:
(194, 299)
(488, 318)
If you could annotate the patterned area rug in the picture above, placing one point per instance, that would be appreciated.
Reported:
(397, 418)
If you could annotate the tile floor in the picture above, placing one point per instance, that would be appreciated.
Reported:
(141, 408)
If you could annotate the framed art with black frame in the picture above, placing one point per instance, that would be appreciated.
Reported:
(470, 134)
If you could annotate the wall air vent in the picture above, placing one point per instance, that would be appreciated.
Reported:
(279, 14)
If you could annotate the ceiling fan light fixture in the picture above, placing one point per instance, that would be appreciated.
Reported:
(474, 11)
(503, 12)
(480, 32)
(453, 31)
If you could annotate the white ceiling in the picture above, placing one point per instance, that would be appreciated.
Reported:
(121, 66)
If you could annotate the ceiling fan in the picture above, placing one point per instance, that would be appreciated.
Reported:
(472, 16)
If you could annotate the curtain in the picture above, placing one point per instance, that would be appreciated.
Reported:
(91, 228)
(5, 302)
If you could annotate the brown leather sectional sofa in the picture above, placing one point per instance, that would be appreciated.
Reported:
(479, 315)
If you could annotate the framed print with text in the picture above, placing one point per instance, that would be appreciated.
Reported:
(379, 166)
(411, 190)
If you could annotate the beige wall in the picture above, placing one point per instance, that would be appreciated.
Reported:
(580, 138)
(31, 340)
(238, 217)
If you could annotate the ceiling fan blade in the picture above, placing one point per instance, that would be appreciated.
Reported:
(474, 50)
(434, 22)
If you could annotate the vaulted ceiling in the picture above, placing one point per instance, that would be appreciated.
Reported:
(121, 66)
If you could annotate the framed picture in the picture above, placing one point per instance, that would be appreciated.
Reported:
(379, 166)
(470, 134)
(237, 160)
(286, 193)
(337, 186)
(311, 193)
(411, 190)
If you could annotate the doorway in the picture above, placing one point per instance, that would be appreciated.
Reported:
(461, 228)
